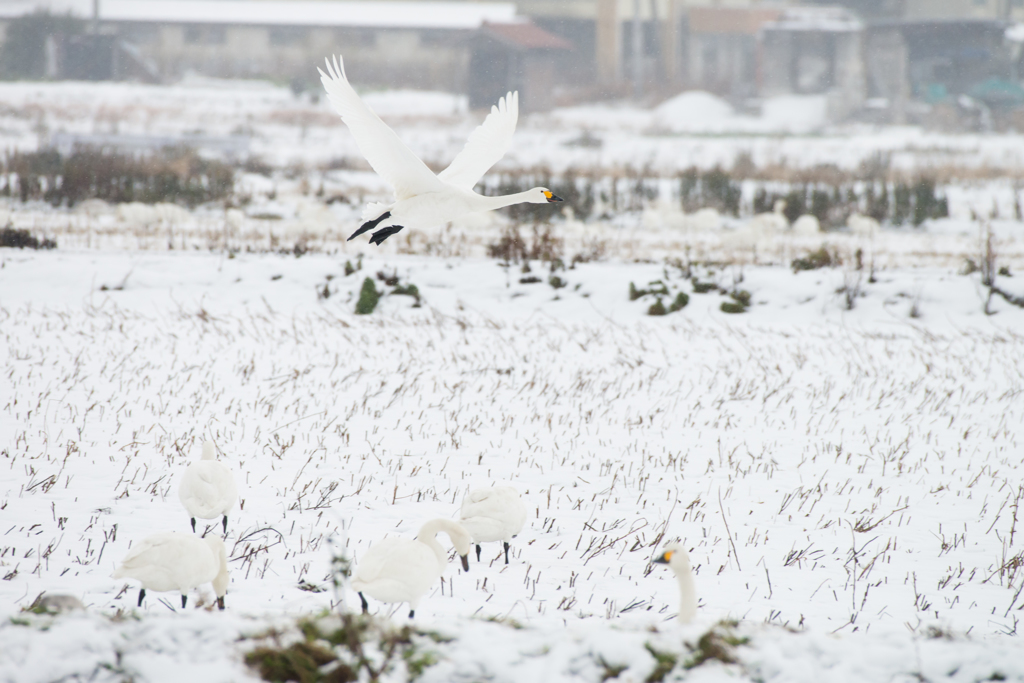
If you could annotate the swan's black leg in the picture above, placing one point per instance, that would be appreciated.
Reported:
(506, 552)
(370, 225)
(193, 525)
(412, 613)
(366, 607)
(477, 552)
(142, 594)
(184, 598)
(225, 525)
(384, 233)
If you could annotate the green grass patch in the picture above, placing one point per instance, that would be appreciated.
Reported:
(703, 287)
(732, 307)
(680, 302)
(657, 308)
(342, 649)
(368, 298)
(666, 661)
(813, 260)
(719, 644)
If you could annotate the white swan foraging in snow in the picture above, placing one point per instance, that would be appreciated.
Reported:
(422, 197)
(208, 488)
(493, 514)
(173, 561)
(676, 557)
(806, 225)
(864, 227)
(403, 569)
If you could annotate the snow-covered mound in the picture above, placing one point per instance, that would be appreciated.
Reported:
(415, 103)
(793, 114)
(694, 111)
(204, 647)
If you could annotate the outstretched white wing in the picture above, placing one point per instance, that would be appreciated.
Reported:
(486, 144)
(387, 154)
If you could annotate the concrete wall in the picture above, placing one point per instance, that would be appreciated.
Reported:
(886, 60)
(816, 62)
(435, 59)
(725, 64)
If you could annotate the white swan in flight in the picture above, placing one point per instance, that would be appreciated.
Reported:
(403, 569)
(172, 561)
(677, 559)
(208, 488)
(421, 196)
(493, 514)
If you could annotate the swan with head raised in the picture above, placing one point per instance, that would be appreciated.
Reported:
(678, 560)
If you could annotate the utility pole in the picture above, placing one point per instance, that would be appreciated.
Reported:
(638, 52)
(609, 41)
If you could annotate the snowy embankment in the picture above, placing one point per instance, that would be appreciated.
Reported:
(854, 475)
(205, 647)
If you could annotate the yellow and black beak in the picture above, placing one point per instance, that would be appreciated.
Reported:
(552, 197)
(665, 558)
(220, 603)
(465, 562)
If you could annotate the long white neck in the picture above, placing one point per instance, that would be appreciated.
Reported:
(209, 451)
(220, 582)
(429, 530)
(687, 597)
(500, 202)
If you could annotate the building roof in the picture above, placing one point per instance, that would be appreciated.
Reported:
(825, 19)
(742, 20)
(327, 13)
(524, 35)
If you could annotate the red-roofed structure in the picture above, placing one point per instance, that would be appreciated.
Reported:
(514, 56)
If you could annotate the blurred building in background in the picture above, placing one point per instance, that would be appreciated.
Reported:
(816, 51)
(514, 56)
(887, 60)
(425, 45)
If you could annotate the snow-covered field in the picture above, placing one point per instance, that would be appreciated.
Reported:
(847, 479)
(688, 131)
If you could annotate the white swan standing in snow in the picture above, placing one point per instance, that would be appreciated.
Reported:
(771, 223)
(493, 514)
(806, 225)
(173, 561)
(676, 557)
(208, 488)
(864, 227)
(705, 220)
(403, 569)
(421, 196)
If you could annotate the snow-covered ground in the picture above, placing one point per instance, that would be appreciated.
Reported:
(691, 130)
(831, 470)
(847, 479)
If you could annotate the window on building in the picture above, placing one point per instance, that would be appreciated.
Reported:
(360, 37)
(648, 36)
(439, 38)
(204, 35)
(287, 35)
(141, 33)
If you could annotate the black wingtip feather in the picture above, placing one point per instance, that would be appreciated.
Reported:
(384, 233)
